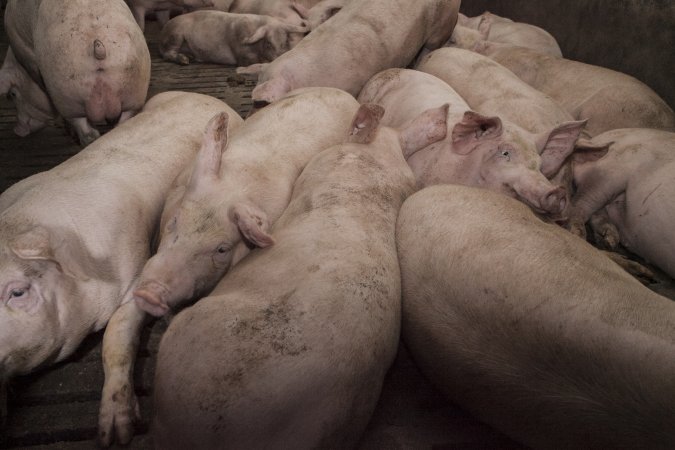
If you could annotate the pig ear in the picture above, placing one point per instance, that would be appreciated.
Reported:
(210, 153)
(270, 90)
(252, 223)
(37, 244)
(556, 145)
(587, 151)
(429, 127)
(365, 123)
(472, 129)
(484, 26)
(256, 36)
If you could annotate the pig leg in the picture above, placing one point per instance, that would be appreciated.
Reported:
(119, 405)
(253, 69)
(643, 274)
(170, 50)
(85, 133)
(605, 233)
(163, 17)
(139, 14)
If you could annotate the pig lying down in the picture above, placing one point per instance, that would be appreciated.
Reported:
(533, 330)
(632, 187)
(295, 341)
(608, 99)
(225, 38)
(73, 239)
(481, 151)
(88, 56)
(334, 54)
(238, 188)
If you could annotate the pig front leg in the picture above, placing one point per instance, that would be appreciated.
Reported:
(119, 405)
(139, 14)
(85, 132)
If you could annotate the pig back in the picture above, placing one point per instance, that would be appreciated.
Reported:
(511, 317)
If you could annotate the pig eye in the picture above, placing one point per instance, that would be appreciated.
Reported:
(222, 249)
(16, 293)
(506, 154)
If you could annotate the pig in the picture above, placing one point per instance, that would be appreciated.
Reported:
(236, 190)
(295, 341)
(633, 186)
(608, 99)
(333, 54)
(287, 10)
(491, 27)
(227, 38)
(74, 239)
(530, 329)
(482, 151)
(163, 8)
(34, 109)
(88, 56)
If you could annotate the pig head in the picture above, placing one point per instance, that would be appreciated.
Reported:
(34, 109)
(503, 158)
(39, 269)
(198, 242)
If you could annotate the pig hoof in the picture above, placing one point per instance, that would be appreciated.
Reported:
(117, 415)
(182, 59)
(607, 236)
(88, 138)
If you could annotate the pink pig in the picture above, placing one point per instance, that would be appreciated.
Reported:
(482, 151)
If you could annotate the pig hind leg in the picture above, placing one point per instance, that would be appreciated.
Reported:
(86, 134)
(171, 47)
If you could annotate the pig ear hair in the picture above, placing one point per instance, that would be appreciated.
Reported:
(472, 128)
(214, 142)
(256, 36)
(252, 223)
(365, 123)
(429, 127)
(587, 151)
(556, 145)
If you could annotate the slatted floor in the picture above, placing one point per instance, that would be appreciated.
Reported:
(57, 408)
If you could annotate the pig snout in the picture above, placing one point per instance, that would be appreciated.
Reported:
(555, 201)
(150, 297)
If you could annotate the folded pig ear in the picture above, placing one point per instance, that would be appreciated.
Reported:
(556, 145)
(365, 123)
(252, 223)
(255, 37)
(473, 129)
(429, 127)
(39, 244)
(207, 163)
(587, 151)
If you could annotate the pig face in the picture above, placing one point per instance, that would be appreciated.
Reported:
(204, 233)
(36, 284)
(512, 160)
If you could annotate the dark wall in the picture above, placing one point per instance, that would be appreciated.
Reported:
(636, 37)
